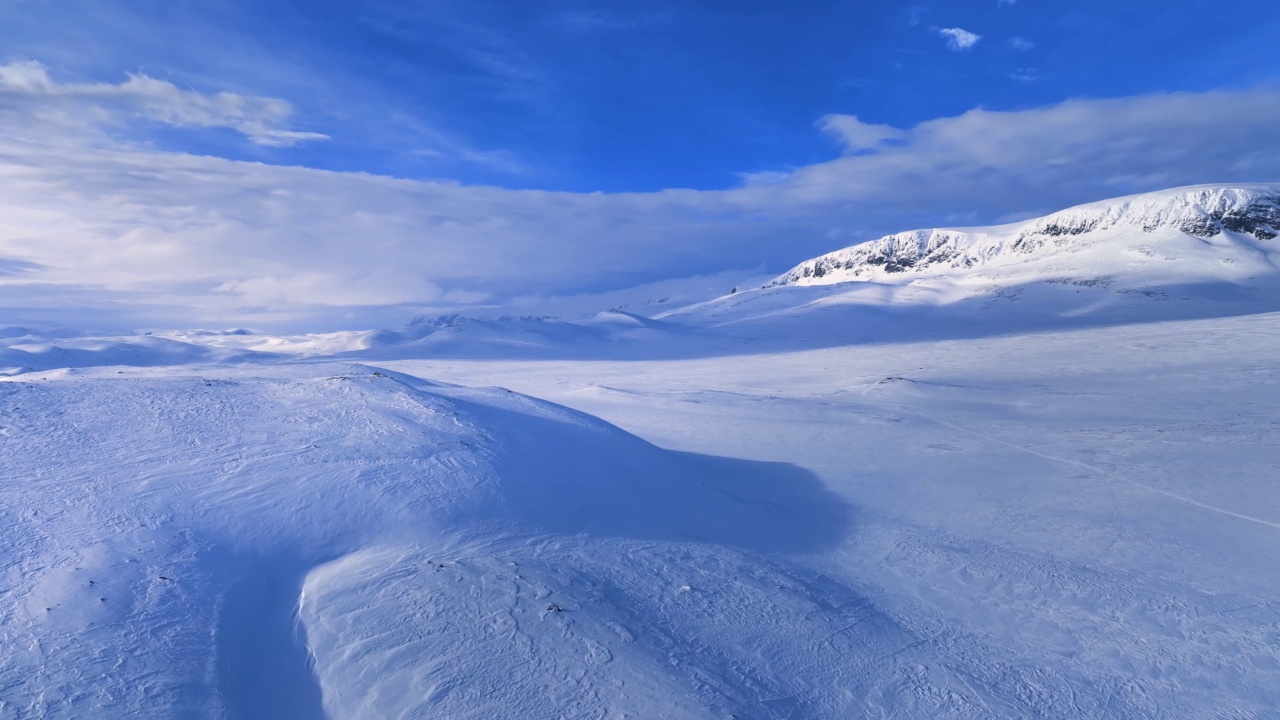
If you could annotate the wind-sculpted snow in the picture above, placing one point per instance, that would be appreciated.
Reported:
(1074, 524)
(1250, 216)
(288, 541)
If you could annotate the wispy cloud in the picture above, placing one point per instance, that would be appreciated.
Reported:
(264, 121)
(591, 21)
(185, 239)
(1021, 43)
(959, 39)
(486, 51)
(856, 135)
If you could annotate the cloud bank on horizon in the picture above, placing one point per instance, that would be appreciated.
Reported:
(143, 199)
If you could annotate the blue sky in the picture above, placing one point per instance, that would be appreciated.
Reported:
(796, 128)
(619, 96)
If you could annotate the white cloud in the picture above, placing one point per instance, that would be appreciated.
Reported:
(590, 21)
(1006, 2)
(1021, 43)
(29, 77)
(856, 135)
(984, 161)
(165, 239)
(764, 176)
(959, 39)
(262, 120)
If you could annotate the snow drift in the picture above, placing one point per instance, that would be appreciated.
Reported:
(289, 541)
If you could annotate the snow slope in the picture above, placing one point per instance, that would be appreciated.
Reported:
(604, 334)
(1195, 233)
(1073, 524)
(24, 350)
(281, 541)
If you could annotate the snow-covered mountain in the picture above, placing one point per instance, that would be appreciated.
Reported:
(1209, 231)
(917, 481)
(1201, 251)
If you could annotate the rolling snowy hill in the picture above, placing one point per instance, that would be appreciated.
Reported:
(263, 543)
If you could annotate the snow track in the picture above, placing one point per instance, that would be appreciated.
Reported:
(1104, 473)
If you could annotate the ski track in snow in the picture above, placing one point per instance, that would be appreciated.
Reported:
(1100, 471)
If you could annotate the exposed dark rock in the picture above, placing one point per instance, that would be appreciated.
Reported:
(1260, 219)
(1203, 227)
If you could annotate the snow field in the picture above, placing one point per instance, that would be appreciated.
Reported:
(1074, 524)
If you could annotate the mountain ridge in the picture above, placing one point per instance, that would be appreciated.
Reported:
(1204, 212)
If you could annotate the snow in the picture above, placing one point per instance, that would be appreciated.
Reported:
(1070, 524)
(162, 527)
(24, 350)
(1196, 234)
(1043, 485)
(1180, 254)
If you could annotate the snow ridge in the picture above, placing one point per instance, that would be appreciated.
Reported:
(1250, 214)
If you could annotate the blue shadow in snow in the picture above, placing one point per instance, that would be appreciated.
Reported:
(574, 473)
